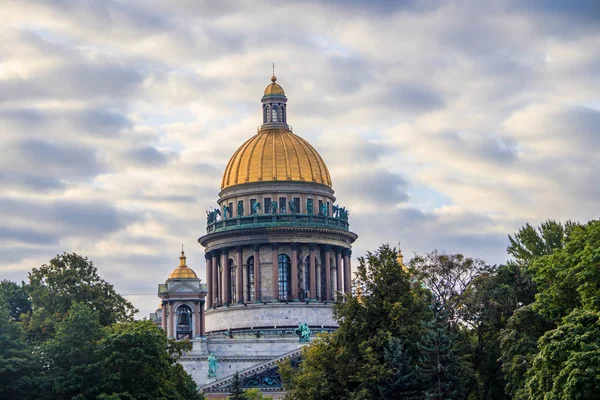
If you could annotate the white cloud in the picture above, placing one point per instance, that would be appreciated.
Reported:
(444, 125)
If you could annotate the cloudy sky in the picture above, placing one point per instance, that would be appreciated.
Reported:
(444, 125)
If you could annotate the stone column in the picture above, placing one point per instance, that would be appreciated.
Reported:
(257, 292)
(197, 318)
(226, 276)
(294, 277)
(327, 272)
(275, 283)
(239, 276)
(202, 324)
(171, 332)
(164, 316)
(215, 279)
(347, 273)
(209, 280)
(338, 268)
(313, 273)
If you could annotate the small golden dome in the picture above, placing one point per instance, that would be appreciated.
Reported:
(275, 155)
(183, 272)
(274, 88)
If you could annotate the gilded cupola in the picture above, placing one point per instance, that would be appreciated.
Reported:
(275, 153)
(183, 271)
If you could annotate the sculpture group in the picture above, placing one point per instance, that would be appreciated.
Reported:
(214, 215)
(211, 216)
(303, 332)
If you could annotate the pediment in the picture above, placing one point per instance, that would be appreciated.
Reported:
(264, 376)
(183, 287)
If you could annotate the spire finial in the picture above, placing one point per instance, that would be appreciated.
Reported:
(273, 78)
(182, 258)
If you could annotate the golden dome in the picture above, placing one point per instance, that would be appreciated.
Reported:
(275, 155)
(183, 272)
(274, 88)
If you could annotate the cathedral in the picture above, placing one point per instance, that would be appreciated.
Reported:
(277, 247)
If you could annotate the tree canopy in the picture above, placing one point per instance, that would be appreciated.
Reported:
(83, 342)
(70, 278)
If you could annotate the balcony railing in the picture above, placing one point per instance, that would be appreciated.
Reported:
(262, 220)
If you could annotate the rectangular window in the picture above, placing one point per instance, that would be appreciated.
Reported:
(327, 209)
(320, 207)
(282, 205)
(230, 210)
(240, 208)
(268, 206)
(296, 202)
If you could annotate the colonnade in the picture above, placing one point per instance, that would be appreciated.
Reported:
(218, 273)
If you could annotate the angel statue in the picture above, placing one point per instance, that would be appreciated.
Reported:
(255, 207)
(212, 365)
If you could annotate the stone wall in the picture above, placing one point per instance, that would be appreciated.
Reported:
(250, 316)
(233, 355)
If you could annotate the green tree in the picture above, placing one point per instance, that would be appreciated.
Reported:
(569, 278)
(488, 303)
(67, 359)
(518, 344)
(136, 358)
(237, 393)
(404, 382)
(16, 367)
(563, 262)
(350, 363)
(440, 368)
(67, 279)
(530, 243)
(568, 363)
(255, 394)
(447, 276)
(15, 298)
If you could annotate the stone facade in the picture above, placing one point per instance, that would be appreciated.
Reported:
(278, 253)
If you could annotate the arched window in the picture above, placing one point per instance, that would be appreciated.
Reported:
(283, 116)
(267, 114)
(281, 113)
(232, 298)
(274, 114)
(285, 285)
(250, 280)
(184, 322)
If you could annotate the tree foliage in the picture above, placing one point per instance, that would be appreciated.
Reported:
(83, 342)
(567, 365)
(70, 278)
(350, 364)
(14, 298)
(441, 373)
(530, 243)
(447, 276)
(16, 366)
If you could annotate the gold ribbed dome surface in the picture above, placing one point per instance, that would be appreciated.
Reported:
(275, 155)
(274, 88)
(183, 272)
